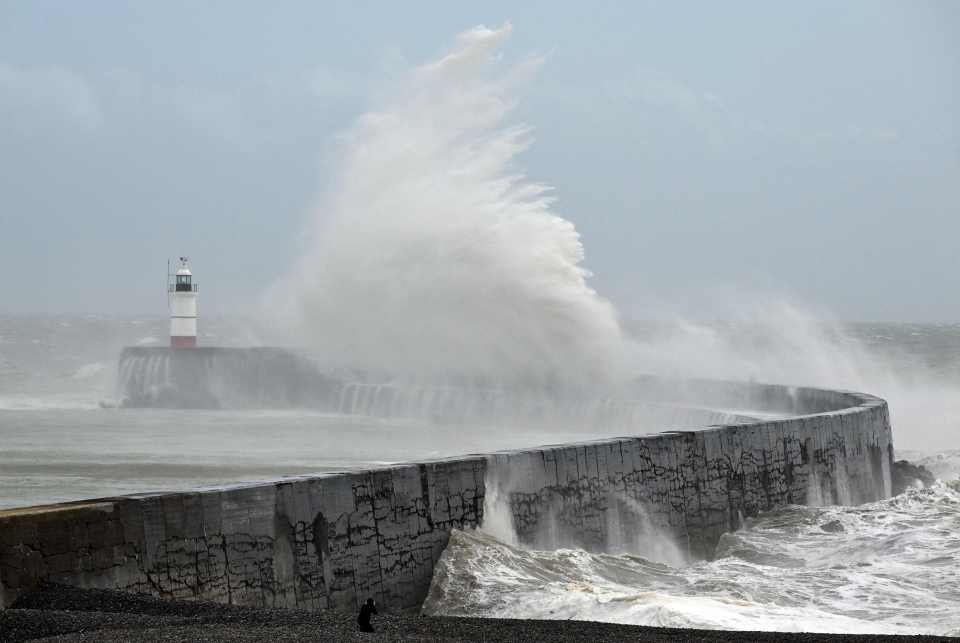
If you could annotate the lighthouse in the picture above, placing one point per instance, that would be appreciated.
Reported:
(182, 292)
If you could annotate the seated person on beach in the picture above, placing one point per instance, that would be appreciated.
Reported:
(366, 611)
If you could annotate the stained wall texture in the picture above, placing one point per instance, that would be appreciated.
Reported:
(331, 541)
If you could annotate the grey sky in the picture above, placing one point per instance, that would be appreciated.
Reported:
(810, 148)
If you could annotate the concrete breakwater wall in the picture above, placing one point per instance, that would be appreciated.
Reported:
(269, 377)
(330, 541)
(211, 377)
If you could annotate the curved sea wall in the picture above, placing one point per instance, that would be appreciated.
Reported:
(330, 541)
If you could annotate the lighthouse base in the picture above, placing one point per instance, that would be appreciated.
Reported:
(183, 341)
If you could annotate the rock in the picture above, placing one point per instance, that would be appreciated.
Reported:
(834, 526)
(905, 474)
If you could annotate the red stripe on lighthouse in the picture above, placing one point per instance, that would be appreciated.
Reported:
(182, 341)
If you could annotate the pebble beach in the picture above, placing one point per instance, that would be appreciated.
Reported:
(58, 613)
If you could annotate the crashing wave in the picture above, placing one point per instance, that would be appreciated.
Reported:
(887, 567)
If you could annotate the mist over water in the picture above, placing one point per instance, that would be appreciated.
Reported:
(915, 367)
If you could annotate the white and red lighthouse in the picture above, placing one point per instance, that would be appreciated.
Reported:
(182, 291)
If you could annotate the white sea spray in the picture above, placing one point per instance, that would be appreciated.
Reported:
(432, 252)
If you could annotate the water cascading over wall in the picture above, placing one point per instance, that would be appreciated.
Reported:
(215, 377)
(330, 541)
(266, 377)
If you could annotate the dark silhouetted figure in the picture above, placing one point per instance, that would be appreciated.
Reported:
(367, 610)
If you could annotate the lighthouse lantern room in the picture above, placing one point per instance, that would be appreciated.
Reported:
(182, 293)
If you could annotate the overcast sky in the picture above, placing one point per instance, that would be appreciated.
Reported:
(807, 148)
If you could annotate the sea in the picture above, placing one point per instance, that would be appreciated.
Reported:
(892, 566)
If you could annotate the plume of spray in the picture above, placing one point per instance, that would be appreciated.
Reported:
(434, 254)
(767, 338)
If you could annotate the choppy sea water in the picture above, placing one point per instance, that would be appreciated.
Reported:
(889, 567)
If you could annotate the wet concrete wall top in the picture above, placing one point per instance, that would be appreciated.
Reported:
(331, 541)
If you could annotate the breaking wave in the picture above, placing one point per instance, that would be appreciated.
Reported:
(434, 253)
(61, 402)
(887, 567)
(92, 369)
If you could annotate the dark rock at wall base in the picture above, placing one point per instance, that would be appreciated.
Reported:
(905, 475)
(833, 527)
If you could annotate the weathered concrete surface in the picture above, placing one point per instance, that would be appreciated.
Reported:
(316, 542)
(694, 485)
(333, 540)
